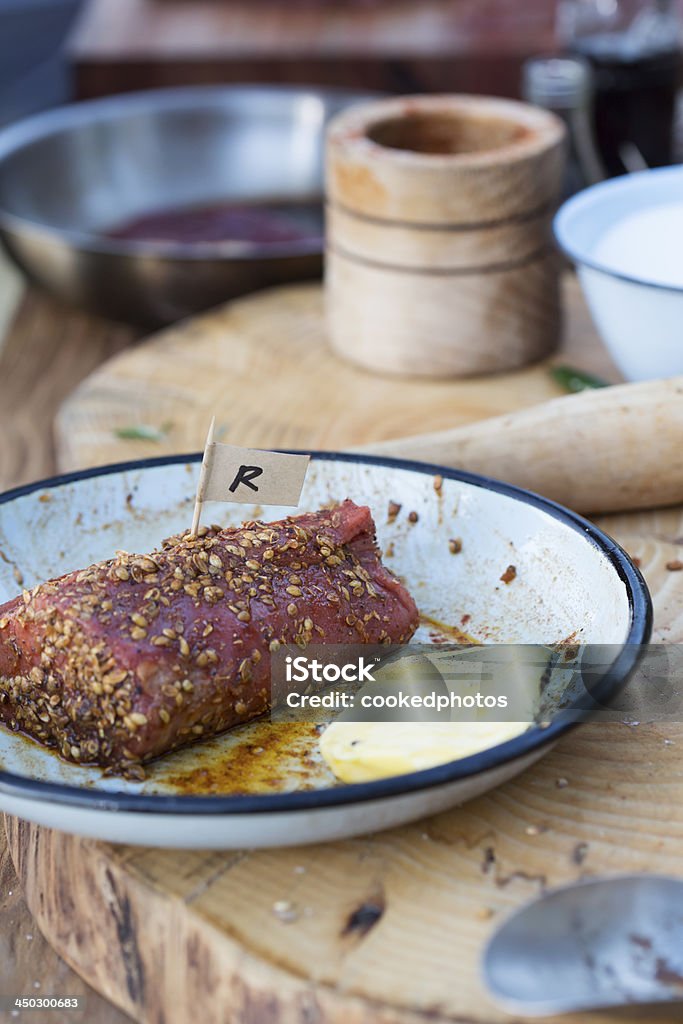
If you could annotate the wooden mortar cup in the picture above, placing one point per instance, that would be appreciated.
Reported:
(439, 260)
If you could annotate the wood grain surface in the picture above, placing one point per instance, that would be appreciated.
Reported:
(387, 929)
(44, 351)
(47, 349)
(442, 267)
(264, 368)
(262, 365)
(393, 45)
(232, 27)
(30, 967)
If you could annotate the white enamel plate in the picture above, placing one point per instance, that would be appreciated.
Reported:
(264, 784)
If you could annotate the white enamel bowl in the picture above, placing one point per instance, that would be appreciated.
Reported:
(572, 581)
(638, 317)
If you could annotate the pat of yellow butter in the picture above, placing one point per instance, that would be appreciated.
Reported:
(364, 751)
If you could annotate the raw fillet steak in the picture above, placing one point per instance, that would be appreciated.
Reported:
(141, 654)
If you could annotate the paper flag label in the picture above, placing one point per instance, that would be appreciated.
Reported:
(251, 476)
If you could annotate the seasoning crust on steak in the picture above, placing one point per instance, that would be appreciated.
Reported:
(141, 654)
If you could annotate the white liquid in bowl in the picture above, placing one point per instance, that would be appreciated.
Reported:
(647, 245)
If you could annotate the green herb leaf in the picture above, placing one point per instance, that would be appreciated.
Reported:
(574, 380)
(143, 432)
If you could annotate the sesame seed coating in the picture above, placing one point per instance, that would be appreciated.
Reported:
(133, 657)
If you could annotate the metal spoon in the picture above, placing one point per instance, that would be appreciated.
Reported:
(595, 944)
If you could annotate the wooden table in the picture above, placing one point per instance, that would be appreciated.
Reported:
(45, 349)
(393, 45)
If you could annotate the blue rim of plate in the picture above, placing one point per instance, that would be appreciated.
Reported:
(640, 606)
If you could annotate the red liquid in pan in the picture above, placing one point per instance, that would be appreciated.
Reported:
(259, 223)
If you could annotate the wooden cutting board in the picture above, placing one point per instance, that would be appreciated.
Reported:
(386, 929)
(392, 45)
(263, 367)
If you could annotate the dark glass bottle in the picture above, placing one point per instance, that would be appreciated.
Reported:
(634, 49)
(564, 85)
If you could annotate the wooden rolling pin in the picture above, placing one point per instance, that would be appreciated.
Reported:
(607, 450)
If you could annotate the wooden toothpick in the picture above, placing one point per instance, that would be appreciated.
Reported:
(203, 473)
